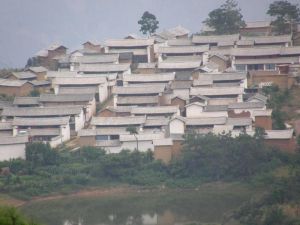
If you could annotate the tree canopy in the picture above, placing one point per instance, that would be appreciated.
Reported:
(286, 14)
(149, 23)
(227, 19)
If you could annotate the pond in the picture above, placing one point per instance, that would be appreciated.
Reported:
(206, 205)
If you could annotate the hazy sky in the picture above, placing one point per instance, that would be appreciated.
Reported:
(26, 26)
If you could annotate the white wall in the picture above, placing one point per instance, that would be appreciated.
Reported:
(194, 110)
(183, 93)
(13, 151)
(214, 114)
(79, 121)
(176, 126)
(143, 145)
(65, 132)
(103, 92)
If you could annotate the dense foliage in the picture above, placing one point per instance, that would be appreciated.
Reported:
(277, 99)
(149, 23)
(227, 19)
(10, 216)
(286, 15)
(204, 158)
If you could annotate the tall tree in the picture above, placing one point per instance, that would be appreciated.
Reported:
(286, 14)
(227, 19)
(149, 23)
(132, 130)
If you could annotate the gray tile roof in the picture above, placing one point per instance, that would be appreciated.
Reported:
(201, 39)
(24, 75)
(37, 83)
(104, 68)
(118, 121)
(137, 100)
(277, 60)
(99, 58)
(239, 121)
(38, 69)
(146, 65)
(159, 77)
(216, 108)
(156, 122)
(216, 91)
(76, 90)
(79, 80)
(6, 125)
(181, 84)
(55, 121)
(180, 42)
(26, 101)
(79, 97)
(246, 105)
(13, 140)
(183, 49)
(43, 111)
(178, 65)
(12, 83)
(205, 121)
(269, 39)
(155, 110)
(129, 42)
(102, 131)
(135, 90)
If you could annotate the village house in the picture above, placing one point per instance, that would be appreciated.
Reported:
(6, 128)
(41, 86)
(111, 111)
(92, 46)
(263, 58)
(23, 75)
(97, 85)
(86, 100)
(39, 71)
(148, 79)
(244, 109)
(54, 131)
(214, 40)
(264, 41)
(263, 78)
(263, 119)
(26, 101)
(131, 92)
(12, 147)
(219, 95)
(15, 87)
(177, 32)
(101, 58)
(145, 68)
(105, 68)
(257, 28)
(76, 114)
(48, 57)
(156, 111)
(142, 49)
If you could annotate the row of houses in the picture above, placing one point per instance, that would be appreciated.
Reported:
(164, 87)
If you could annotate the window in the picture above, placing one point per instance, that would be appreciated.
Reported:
(240, 67)
(101, 137)
(270, 66)
(256, 67)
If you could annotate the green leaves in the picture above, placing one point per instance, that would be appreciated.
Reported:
(227, 19)
(149, 23)
(286, 14)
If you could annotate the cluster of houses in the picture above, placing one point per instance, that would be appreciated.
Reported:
(164, 87)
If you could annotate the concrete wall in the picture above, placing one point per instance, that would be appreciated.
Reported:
(163, 153)
(79, 121)
(183, 93)
(287, 145)
(177, 127)
(263, 122)
(87, 141)
(24, 90)
(13, 151)
(194, 110)
(143, 145)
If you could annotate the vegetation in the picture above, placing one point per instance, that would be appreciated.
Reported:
(277, 99)
(204, 158)
(227, 19)
(10, 216)
(149, 23)
(286, 15)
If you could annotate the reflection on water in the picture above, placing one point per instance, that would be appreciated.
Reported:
(176, 208)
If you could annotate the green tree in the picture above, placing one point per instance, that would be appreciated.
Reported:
(227, 19)
(149, 23)
(132, 130)
(10, 216)
(286, 14)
